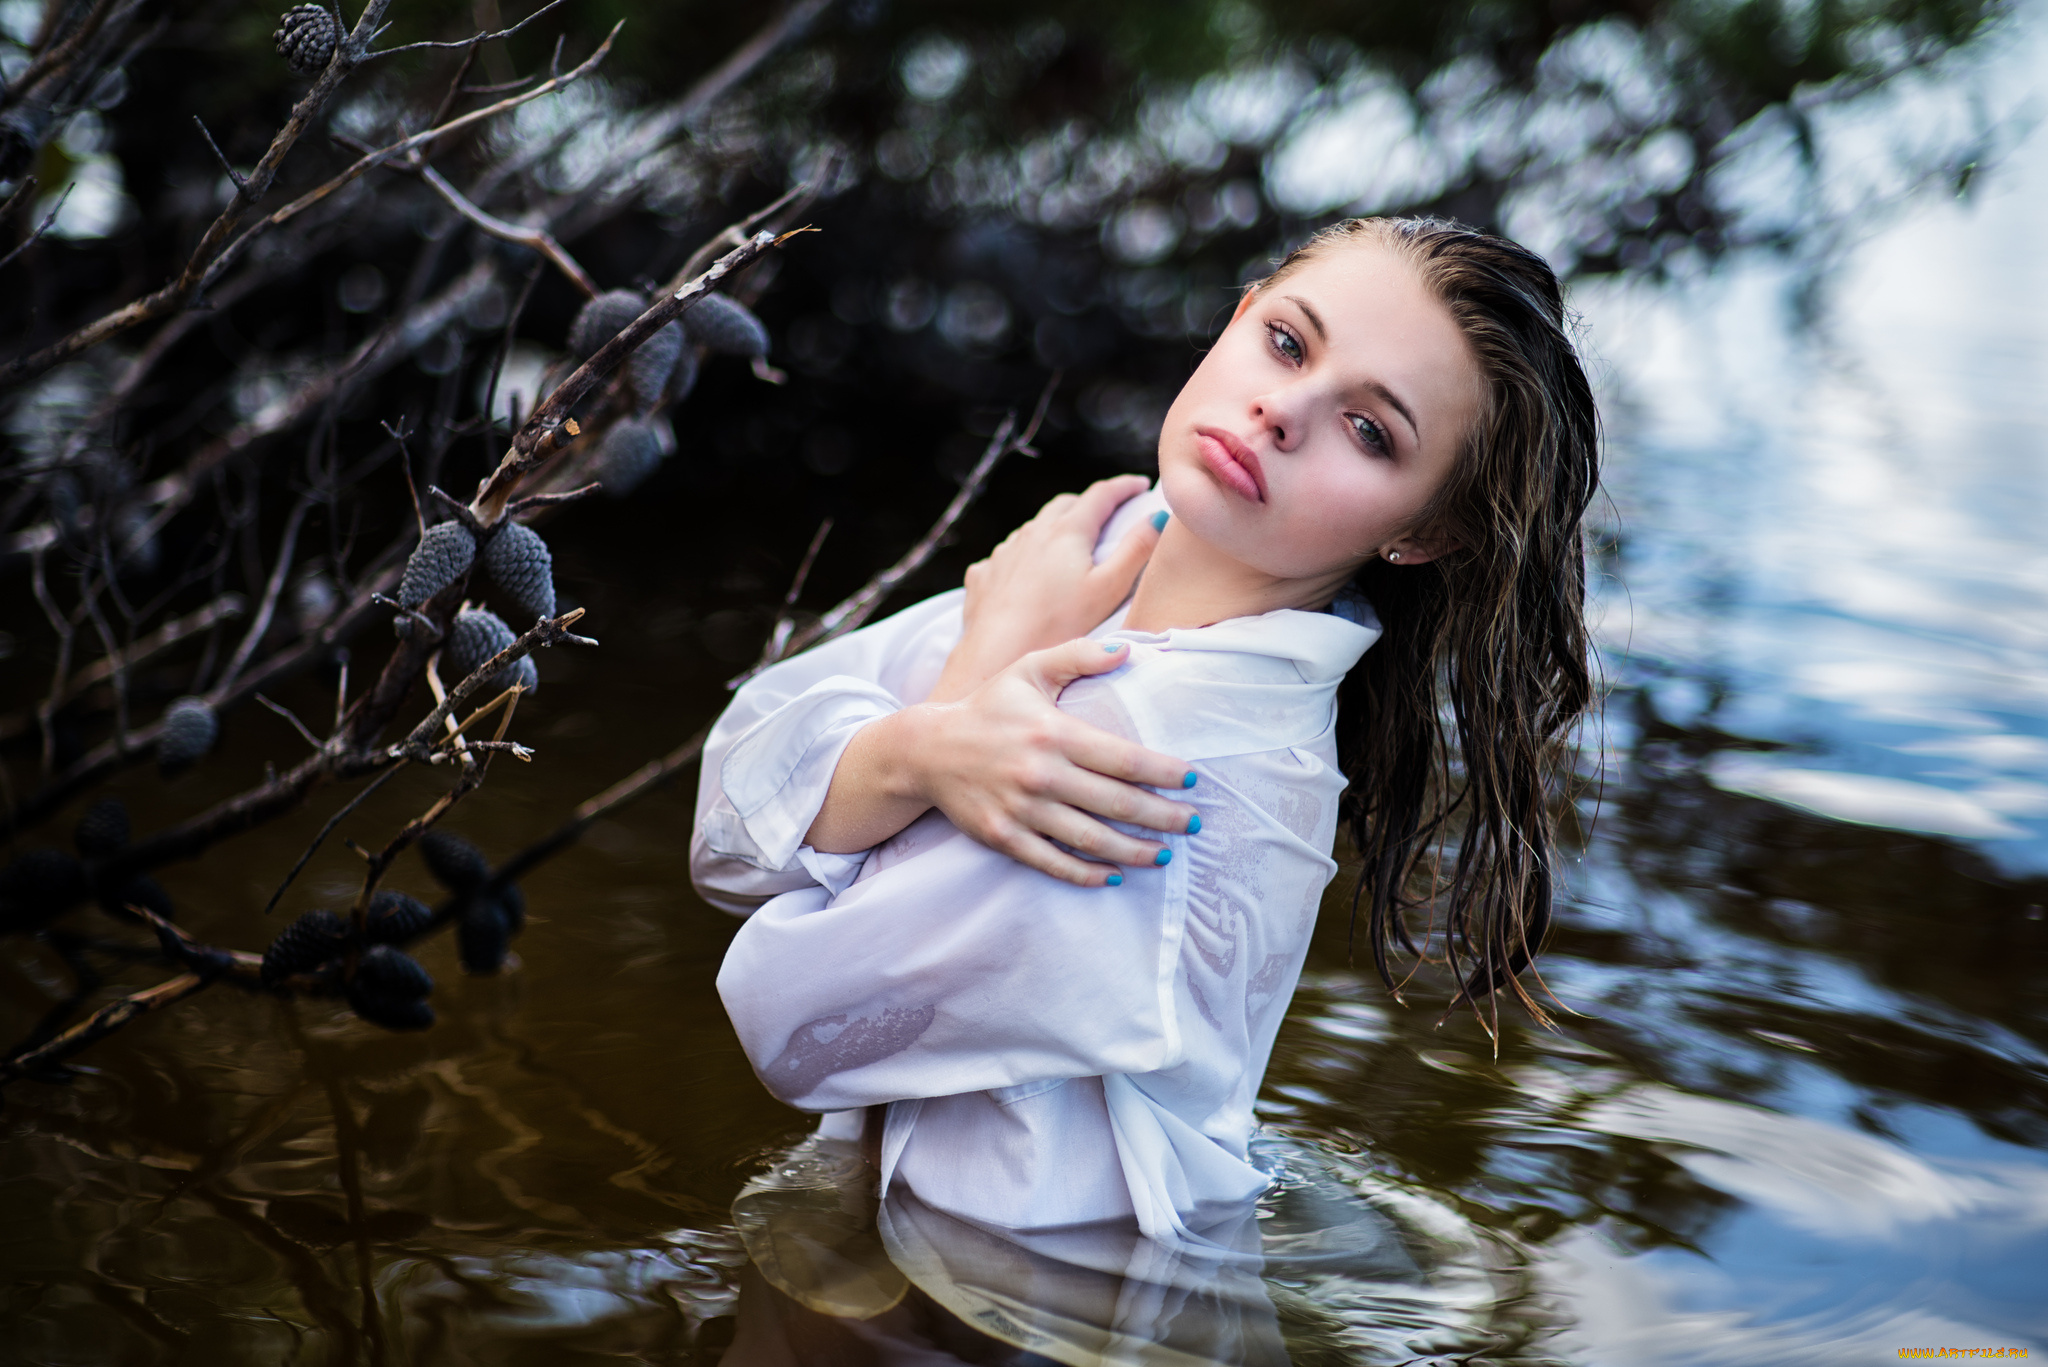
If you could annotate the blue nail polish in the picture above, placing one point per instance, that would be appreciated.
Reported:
(1189, 781)
(1163, 857)
(1115, 880)
(1194, 823)
(1159, 520)
(1113, 647)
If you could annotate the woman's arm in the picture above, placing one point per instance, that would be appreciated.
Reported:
(1003, 761)
(1011, 770)
(989, 749)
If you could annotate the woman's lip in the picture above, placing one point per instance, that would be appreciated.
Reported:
(1232, 462)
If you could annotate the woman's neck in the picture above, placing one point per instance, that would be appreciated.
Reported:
(1189, 583)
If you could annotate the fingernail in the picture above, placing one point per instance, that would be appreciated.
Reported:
(1113, 647)
(1115, 880)
(1189, 781)
(1194, 823)
(1159, 520)
(1163, 857)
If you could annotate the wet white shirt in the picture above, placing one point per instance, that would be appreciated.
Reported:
(1050, 1055)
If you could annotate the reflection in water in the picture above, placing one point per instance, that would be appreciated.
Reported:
(1331, 1265)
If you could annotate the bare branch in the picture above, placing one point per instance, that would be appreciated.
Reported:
(46, 711)
(539, 239)
(287, 545)
(470, 42)
(785, 620)
(372, 786)
(102, 1023)
(532, 501)
(20, 193)
(293, 718)
(49, 220)
(60, 52)
(546, 632)
(634, 786)
(241, 181)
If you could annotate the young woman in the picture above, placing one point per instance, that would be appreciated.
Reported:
(1031, 868)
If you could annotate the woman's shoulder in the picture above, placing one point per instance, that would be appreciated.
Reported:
(1246, 685)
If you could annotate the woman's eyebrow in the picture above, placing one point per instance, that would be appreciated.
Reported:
(1313, 320)
(1393, 400)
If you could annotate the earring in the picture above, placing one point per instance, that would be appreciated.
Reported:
(1393, 555)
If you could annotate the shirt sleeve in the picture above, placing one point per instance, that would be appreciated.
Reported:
(947, 968)
(769, 759)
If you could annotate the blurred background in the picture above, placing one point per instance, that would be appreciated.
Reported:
(1798, 1111)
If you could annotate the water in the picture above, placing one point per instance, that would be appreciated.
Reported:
(1799, 1115)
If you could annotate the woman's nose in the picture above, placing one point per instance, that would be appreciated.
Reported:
(1278, 416)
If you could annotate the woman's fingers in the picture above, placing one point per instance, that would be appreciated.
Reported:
(1026, 847)
(1119, 569)
(1093, 506)
(1113, 756)
(1091, 837)
(1117, 800)
(1055, 668)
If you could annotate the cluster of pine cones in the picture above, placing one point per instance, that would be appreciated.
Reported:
(38, 886)
(663, 371)
(520, 568)
(387, 986)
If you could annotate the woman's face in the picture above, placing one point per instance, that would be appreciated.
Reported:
(1324, 419)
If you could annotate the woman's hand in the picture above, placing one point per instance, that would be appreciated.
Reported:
(1012, 771)
(1041, 586)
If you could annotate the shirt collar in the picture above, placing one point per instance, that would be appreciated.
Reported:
(1242, 685)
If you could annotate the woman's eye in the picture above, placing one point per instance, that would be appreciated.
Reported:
(1284, 342)
(1369, 432)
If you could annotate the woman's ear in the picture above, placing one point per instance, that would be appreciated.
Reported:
(1420, 550)
(1244, 302)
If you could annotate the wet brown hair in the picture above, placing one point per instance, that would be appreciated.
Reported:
(1452, 729)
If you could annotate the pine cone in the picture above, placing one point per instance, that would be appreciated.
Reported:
(648, 369)
(476, 636)
(388, 990)
(683, 378)
(306, 37)
(391, 974)
(455, 863)
(442, 555)
(103, 830)
(38, 887)
(394, 918)
(394, 1013)
(483, 936)
(725, 325)
(141, 890)
(602, 319)
(512, 902)
(189, 730)
(305, 944)
(520, 565)
(628, 454)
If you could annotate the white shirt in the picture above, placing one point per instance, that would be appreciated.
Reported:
(1050, 1055)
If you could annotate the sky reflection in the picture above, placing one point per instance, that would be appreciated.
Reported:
(1829, 494)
